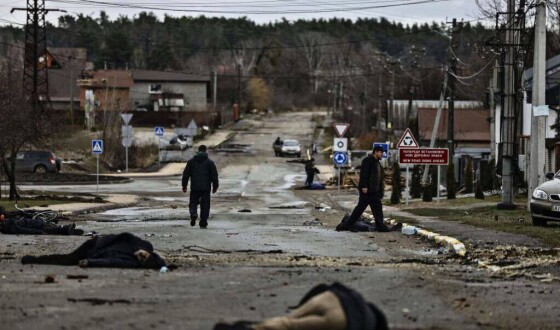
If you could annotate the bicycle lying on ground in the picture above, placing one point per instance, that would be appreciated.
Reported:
(49, 216)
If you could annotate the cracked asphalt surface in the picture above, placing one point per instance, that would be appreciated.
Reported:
(254, 265)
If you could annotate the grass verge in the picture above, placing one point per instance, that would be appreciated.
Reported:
(515, 221)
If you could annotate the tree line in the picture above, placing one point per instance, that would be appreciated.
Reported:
(302, 63)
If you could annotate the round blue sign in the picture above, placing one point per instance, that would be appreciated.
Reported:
(340, 158)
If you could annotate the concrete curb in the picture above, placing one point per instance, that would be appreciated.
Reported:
(77, 183)
(452, 243)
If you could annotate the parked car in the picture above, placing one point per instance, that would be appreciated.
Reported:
(291, 147)
(37, 162)
(545, 202)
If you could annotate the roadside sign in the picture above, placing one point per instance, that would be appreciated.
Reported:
(424, 156)
(385, 147)
(159, 130)
(126, 142)
(96, 147)
(407, 140)
(126, 117)
(340, 158)
(341, 128)
(340, 144)
(126, 131)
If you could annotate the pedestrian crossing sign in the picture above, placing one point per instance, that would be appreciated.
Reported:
(96, 146)
(159, 131)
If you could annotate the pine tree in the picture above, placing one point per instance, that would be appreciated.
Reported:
(451, 181)
(469, 176)
(396, 194)
(428, 188)
(416, 185)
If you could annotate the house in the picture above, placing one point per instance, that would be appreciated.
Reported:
(168, 91)
(552, 96)
(64, 68)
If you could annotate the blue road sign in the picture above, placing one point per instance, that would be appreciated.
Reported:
(97, 147)
(159, 131)
(340, 158)
(385, 147)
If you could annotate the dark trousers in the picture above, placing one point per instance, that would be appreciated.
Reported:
(374, 202)
(309, 179)
(56, 229)
(64, 259)
(202, 198)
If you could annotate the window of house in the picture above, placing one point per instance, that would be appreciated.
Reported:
(155, 88)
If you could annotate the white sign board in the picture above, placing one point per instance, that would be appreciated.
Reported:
(341, 128)
(126, 117)
(540, 110)
(340, 144)
(126, 142)
(126, 131)
(407, 140)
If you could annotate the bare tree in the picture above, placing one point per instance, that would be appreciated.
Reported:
(19, 124)
(313, 48)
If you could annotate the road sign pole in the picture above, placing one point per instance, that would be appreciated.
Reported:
(407, 188)
(438, 181)
(97, 175)
(159, 151)
(338, 179)
(126, 159)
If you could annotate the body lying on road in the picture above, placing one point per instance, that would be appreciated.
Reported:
(25, 226)
(325, 307)
(121, 250)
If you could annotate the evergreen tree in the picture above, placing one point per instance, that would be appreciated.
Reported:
(428, 188)
(451, 181)
(396, 194)
(469, 176)
(416, 185)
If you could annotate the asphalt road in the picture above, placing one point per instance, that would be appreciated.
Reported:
(254, 265)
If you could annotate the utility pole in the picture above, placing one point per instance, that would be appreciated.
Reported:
(35, 76)
(508, 112)
(215, 90)
(72, 82)
(452, 62)
(539, 108)
(390, 111)
(380, 106)
(239, 86)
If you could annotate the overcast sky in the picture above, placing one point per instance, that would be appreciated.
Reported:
(260, 11)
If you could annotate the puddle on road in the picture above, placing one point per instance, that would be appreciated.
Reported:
(143, 214)
(290, 205)
(289, 182)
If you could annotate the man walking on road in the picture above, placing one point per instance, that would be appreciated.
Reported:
(370, 188)
(203, 174)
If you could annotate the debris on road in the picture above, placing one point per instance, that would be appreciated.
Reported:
(245, 211)
(100, 301)
(76, 277)
(314, 222)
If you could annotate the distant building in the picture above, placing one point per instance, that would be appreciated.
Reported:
(168, 91)
(64, 68)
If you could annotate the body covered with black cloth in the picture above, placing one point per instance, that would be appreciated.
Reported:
(123, 250)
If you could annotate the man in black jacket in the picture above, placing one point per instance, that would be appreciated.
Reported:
(204, 177)
(370, 189)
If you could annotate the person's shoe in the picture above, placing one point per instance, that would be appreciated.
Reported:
(203, 224)
(71, 229)
(382, 229)
(193, 219)
(342, 226)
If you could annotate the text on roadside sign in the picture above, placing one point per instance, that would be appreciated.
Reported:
(424, 156)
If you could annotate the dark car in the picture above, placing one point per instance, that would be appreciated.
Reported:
(545, 202)
(37, 162)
